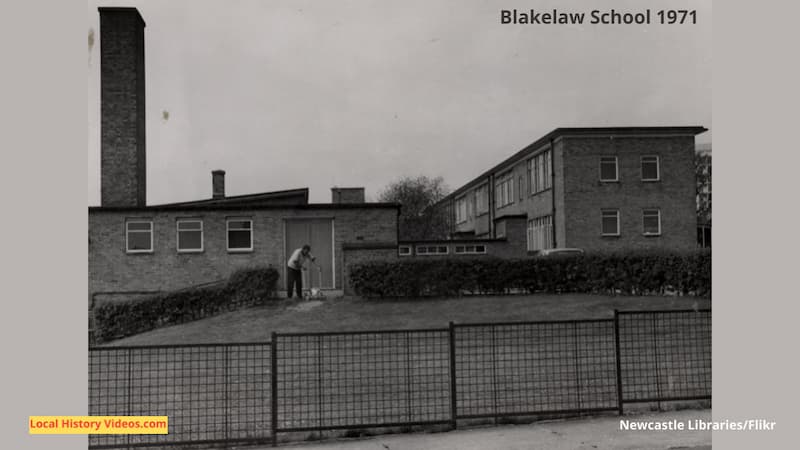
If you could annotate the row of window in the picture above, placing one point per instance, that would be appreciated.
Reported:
(649, 164)
(651, 222)
(432, 250)
(473, 204)
(540, 233)
(539, 173)
(189, 235)
(539, 179)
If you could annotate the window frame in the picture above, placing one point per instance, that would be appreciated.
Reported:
(619, 222)
(616, 170)
(658, 167)
(462, 215)
(482, 200)
(464, 250)
(537, 227)
(428, 246)
(128, 231)
(504, 185)
(658, 215)
(228, 230)
(400, 249)
(178, 236)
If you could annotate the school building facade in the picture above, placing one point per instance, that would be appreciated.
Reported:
(598, 189)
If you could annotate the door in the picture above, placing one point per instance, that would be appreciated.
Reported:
(318, 233)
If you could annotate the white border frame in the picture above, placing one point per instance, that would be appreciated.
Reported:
(178, 236)
(228, 221)
(644, 232)
(658, 168)
(619, 222)
(152, 231)
(616, 170)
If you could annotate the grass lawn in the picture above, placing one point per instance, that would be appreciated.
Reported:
(356, 314)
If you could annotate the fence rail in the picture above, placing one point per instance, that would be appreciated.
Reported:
(251, 392)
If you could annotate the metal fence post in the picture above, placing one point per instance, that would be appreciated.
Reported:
(453, 400)
(618, 357)
(273, 353)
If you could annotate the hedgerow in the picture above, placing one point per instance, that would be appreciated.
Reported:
(245, 287)
(615, 273)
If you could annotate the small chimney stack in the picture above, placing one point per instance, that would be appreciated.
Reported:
(347, 194)
(218, 184)
(122, 105)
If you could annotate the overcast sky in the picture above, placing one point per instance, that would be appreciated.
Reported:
(290, 94)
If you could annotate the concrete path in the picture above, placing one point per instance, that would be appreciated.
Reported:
(590, 433)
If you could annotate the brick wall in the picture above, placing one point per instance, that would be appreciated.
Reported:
(112, 269)
(585, 196)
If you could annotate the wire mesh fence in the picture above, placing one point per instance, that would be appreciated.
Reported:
(325, 381)
(211, 393)
(664, 355)
(535, 368)
(344, 380)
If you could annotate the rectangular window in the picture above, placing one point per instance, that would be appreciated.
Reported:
(608, 168)
(404, 250)
(651, 222)
(540, 233)
(240, 235)
(470, 249)
(521, 191)
(540, 172)
(461, 210)
(428, 250)
(650, 168)
(190, 235)
(139, 236)
(610, 222)
(482, 200)
(504, 190)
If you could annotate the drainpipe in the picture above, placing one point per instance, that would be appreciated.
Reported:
(553, 189)
(491, 205)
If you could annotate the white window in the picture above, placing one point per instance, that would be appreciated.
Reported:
(610, 222)
(540, 172)
(650, 168)
(470, 249)
(651, 222)
(608, 168)
(461, 210)
(240, 235)
(540, 233)
(190, 235)
(429, 250)
(482, 200)
(139, 236)
(504, 190)
(404, 250)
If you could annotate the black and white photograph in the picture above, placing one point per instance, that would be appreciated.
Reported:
(361, 224)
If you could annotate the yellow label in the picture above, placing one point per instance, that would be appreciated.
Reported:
(97, 425)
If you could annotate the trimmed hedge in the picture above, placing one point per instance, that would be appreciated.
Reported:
(616, 273)
(246, 287)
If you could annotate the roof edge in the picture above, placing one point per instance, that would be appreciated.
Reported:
(692, 130)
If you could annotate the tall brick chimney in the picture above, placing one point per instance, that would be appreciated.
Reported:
(218, 184)
(122, 120)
